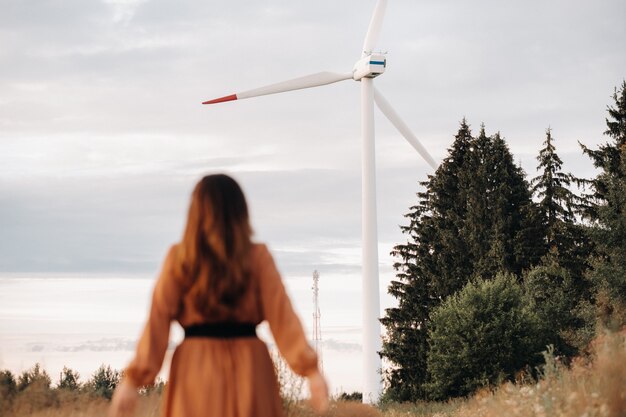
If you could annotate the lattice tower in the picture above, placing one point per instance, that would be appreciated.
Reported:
(317, 326)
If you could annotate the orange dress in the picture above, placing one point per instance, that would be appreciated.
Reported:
(222, 377)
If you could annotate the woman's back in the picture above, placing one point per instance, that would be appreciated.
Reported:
(249, 307)
(222, 376)
(219, 285)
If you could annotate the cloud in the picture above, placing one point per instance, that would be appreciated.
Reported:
(114, 344)
(124, 10)
(341, 346)
(101, 345)
(102, 222)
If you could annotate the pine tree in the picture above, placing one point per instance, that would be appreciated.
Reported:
(35, 376)
(608, 156)
(508, 219)
(557, 286)
(68, 379)
(417, 284)
(447, 198)
(565, 242)
(551, 187)
(470, 221)
(8, 390)
(103, 381)
(610, 267)
(607, 210)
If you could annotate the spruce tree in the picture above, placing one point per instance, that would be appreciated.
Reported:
(69, 379)
(470, 221)
(607, 157)
(419, 277)
(609, 272)
(551, 187)
(508, 216)
(606, 210)
(557, 286)
(8, 391)
(565, 242)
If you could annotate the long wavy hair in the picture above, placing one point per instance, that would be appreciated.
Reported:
(213, 255)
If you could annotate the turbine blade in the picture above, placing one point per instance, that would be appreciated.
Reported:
(395, 119)
(221, 99)
(308, 81)
(374, 29)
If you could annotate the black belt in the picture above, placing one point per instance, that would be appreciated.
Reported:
(221, 330)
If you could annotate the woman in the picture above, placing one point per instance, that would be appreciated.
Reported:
(219, 285)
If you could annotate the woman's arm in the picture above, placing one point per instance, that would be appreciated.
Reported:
(154, 340)
(287, 330)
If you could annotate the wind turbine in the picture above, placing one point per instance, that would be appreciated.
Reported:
(368, 67)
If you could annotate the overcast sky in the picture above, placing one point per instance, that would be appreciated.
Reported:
(102, 134)
(102, 138)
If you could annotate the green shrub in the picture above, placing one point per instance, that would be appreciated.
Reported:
(551, 293)
(481, 336)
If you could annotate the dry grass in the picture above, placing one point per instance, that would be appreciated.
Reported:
(336, 409)
(78, 405)
(422, 409)
(590, 387)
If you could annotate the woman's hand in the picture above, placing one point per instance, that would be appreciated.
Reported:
(319, 392)
(124, 400)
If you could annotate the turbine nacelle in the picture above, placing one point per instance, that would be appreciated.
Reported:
(370, 66)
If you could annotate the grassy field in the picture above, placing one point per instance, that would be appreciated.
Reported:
(589, 387)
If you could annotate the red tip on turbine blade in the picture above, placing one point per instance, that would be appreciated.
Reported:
(222, 99)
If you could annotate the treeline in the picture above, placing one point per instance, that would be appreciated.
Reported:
(33, 389)
(497, 267)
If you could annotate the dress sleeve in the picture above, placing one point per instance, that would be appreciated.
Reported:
(154, 340)
(284, 323)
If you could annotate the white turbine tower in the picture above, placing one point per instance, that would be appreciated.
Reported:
(369, 66)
